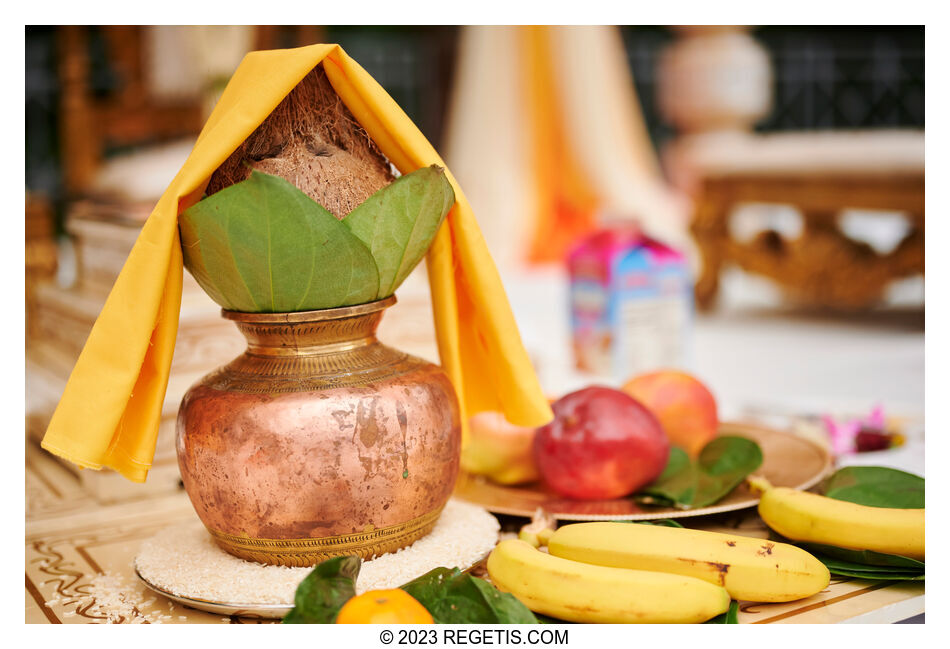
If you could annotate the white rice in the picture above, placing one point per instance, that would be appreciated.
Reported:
(112, 599)
(185, 561)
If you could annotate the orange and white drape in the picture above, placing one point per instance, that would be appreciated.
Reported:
(545, 132)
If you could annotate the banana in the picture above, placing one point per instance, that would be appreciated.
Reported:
(808, 517)
(749, 569)
(580, 592)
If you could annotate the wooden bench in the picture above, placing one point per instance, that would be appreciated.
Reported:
(820, 174)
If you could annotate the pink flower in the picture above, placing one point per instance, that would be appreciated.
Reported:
(843, 435)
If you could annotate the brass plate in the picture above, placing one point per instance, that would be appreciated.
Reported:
(788, 461)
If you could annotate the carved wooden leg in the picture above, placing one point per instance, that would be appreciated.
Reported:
(709, 230)
(707, 286)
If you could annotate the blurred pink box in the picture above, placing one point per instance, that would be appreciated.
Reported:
(631, 303)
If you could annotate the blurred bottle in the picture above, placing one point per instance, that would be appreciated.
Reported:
(631, 302)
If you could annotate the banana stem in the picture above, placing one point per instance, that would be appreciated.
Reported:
(758, 484)
(539, 530)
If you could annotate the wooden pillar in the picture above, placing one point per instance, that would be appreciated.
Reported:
(77, 125)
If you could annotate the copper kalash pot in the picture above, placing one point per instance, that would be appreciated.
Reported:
(319, 440)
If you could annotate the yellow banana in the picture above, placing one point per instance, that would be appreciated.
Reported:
(580, 592)
(808, 517)
(748, 568)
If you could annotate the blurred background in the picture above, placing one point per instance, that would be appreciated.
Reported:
(745, 203)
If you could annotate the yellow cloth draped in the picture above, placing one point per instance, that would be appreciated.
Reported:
(110, 411)
(565, 198)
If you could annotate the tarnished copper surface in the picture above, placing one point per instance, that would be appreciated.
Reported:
(318, 430)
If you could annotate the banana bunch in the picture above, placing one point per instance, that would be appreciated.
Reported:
(810, 518)
(617, 572)
(748, 568)
(581, 592)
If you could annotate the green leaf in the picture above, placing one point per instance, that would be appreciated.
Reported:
(262, 245)
(547, 619)
(399, 221)
(889, 576)
(677, 484)
(505, 607)
(729, 617)
(453, 597)
(865, 557)
(877, 486)
(323, 592)
(850, 569)
(428, 586)
(732, 615)
(662, 522)
(722, 465)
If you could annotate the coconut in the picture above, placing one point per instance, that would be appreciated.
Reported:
(313, 141)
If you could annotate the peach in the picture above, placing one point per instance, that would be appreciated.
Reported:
(685, 407)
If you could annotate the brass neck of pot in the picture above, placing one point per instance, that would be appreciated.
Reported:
(308, 333)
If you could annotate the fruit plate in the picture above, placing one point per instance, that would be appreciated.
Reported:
(788, 461)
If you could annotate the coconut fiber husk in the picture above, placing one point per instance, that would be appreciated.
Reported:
(313, 141)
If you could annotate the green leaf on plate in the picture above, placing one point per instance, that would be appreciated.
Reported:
(454, 597)
(722, 465)
(323, 592)
(677, 483)
(262, 245)
(877, 486)
(662, 522)
(399, 221)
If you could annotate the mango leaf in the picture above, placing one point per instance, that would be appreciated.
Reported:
(323, 592)
(262, 245)
(454, 597)
(877, 486)
(399, 221)
(722, 465)
(729, 617)
(661, 522)
(676, 484)
(867, 558)
(889, 576)
(851, 569)
(547, 619)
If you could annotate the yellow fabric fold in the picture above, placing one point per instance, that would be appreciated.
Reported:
(110, 411)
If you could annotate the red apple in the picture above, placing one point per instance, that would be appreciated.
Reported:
(601, 444)
(685, 407)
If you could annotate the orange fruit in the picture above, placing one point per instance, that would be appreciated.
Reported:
(394, 606)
